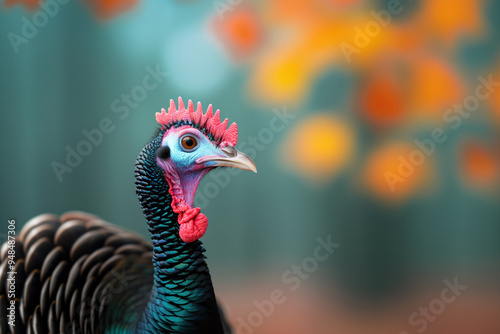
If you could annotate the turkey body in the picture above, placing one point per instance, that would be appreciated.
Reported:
(77, 274)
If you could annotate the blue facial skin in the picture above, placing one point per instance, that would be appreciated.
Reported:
(184, 161)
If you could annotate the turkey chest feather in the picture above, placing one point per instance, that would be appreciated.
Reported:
(76, 273)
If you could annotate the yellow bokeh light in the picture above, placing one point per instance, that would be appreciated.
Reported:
(319, 147)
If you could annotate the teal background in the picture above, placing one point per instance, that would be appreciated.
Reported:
(65, 79)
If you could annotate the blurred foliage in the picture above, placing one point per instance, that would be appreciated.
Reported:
(391, 149)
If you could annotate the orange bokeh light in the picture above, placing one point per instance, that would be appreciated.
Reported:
(479, 164)
(390, 174)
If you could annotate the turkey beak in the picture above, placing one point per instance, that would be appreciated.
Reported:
(233, 158)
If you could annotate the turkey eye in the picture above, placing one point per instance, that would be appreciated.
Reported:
(189, 143)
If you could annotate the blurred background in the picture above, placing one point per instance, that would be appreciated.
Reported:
(374, 126)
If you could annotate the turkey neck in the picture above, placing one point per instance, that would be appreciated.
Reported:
(182, 299)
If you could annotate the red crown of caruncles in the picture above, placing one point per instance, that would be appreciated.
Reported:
(209, 121)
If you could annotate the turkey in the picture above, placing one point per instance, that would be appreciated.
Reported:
(76, 273)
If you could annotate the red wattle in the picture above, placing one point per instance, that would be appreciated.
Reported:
(193, 224)
(192, 229)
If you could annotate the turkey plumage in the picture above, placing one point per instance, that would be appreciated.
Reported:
(76, 273)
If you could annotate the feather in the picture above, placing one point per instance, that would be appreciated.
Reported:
(50, 263)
